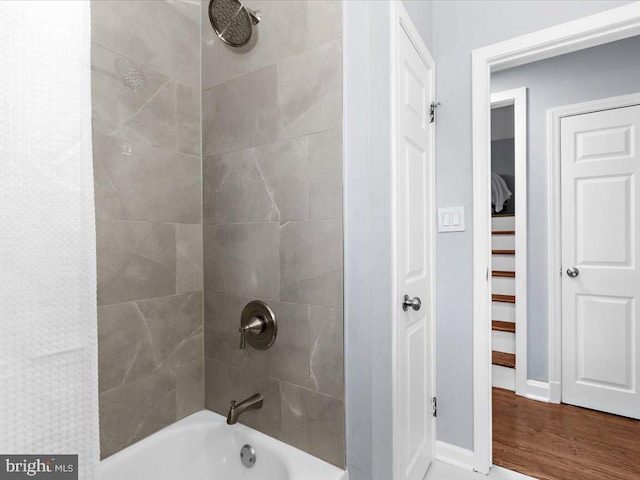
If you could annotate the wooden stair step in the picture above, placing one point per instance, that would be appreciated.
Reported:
(501, 326)
(496, 297)
(503, 214)
(503, 359)
(503, 232)
(503, 252)
(503, 273)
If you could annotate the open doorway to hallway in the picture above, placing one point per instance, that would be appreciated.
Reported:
(574, 413)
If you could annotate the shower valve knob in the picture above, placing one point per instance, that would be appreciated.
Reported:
(255, 326)
(258, 326)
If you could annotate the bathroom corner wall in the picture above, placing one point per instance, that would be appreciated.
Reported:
(146, 125)
(272, 214)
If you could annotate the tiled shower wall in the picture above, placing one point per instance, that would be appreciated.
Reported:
(272, 214)
(146, 123)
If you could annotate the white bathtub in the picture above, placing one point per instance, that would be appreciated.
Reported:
(204, 447)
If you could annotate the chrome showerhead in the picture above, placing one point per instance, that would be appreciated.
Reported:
(232, 21)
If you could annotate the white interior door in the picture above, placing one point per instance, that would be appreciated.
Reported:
(413, 409)
(600, 169)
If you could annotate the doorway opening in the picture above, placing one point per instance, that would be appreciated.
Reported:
(602, 356)
(594, 167)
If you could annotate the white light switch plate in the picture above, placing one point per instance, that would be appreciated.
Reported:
(451, 219)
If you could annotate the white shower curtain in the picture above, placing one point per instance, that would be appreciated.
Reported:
(48, 345)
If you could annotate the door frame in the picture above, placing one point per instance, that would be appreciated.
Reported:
(400, 20)
(518, 98)
(554, 224)
(605, 27)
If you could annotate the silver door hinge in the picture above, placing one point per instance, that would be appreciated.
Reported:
(434, 407)
(432, 111)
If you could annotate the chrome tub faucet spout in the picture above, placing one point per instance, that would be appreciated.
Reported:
(236, 409)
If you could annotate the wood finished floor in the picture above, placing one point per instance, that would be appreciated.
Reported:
(562, 442)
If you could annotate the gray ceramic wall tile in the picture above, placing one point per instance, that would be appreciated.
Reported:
(155, 122)
(284, 166)
(189, 8)
(136, 410)
(288, 358)
(242, 259)
(135, 260)
(133, 102)
(327, 350)
(316, 22)
(310, 91)
(224, 383)
(234, 190)
(137, 339)
(272, 208)
(313, 422)
(145, 109)
(189, 388)
(261, 184)
(221, 322)
(311, 262)
(325, 174)
(240, 113)
(175, 329)
(120, 88)
(150, 32)
(139, 182)
(189, 271)
(124, 346)
(188, 119)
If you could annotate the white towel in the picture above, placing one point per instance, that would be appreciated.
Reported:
(48, 344)
(500, 193)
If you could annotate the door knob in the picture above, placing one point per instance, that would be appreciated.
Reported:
(414, 303)
(573, 272)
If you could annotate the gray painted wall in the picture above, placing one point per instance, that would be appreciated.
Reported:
(458, 28)
(421, 13)
(599, 72)
(368, 268)
(502, 122)
(368, 302)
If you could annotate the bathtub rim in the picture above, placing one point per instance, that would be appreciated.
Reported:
(202, 419)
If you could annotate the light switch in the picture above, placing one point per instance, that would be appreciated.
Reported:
(451, 219)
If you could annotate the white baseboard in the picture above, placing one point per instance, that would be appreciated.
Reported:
(555, 392)
(454, 455)
(505, 474)
(538, 390)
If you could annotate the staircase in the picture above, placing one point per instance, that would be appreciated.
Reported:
(503, 305)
